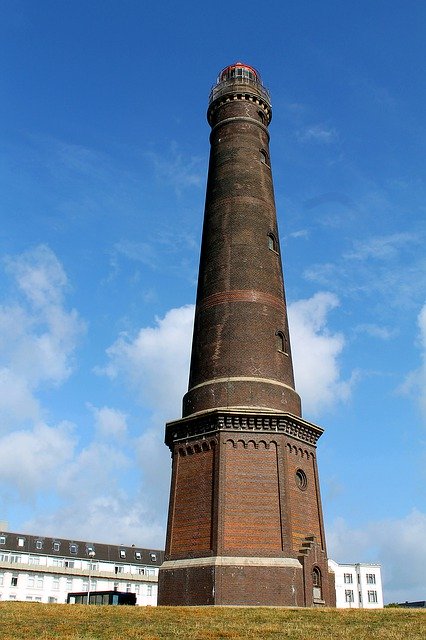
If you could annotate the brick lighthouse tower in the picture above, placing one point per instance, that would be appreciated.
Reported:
(245, 520)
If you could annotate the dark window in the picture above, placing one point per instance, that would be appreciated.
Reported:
(264, 157)
(281, 342)
(272, 242)
(261, 116)
(301, 479)
(316, 584)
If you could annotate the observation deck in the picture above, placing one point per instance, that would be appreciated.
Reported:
(239, 78)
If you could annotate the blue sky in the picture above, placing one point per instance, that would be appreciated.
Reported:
(103, 164)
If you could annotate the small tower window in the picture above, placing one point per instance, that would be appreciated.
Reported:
(261, 117)
(281, 342)
(272, 242)
(301, 479)
(264, 158)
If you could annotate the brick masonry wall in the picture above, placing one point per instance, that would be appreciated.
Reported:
(192, 501)
(304, 505)
(251, 512)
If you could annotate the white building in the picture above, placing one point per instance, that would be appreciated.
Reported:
(358, 586)
(41, 569)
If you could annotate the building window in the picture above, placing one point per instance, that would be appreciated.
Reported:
(39, 582)
(372, 596)
(349, 595)
(39, 544)
(14, 580)
(115, 586)
(30, 581)
(2, 539)
(348, 578)
(52, 600)
(149, 590)
(4, 557)
(153, 557)
(371, 578)
(281, 342)
(15, 558)
(21, 542)
(264, 159)
(301, 479)
(56, 546)
(128, 587)
(69, 564)
(316, 584)
(55, 584)
(119, 568)
(272, 242)
(261, 116)
(122, 553)
(1, 579)
(69, 584)
(137, 589)
(33, 560)
(138, 555)
(73, 548)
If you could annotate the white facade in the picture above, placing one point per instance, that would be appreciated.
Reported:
(358, 586)
(34, 575)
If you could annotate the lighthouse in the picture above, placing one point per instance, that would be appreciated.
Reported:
(245, 523)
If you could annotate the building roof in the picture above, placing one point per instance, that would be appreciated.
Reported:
(81, 549)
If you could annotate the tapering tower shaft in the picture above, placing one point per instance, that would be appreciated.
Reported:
(245, 519)
(241, 355)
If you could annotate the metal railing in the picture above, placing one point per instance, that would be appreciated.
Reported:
(238, 85)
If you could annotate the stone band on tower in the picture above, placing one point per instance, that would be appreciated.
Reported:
(245, 519)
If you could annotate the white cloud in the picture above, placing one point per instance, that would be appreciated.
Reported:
(109, 422)
(382, 247)
(399, 545)
(32, 460)
(376, 331)
(316, 353)
(156, 361)
(318, 133)
(176, 170)
(39, 334)
(111, 518)
(415, 382)
(17, 402)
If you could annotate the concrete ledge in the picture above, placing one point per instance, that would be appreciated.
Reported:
(231, 561)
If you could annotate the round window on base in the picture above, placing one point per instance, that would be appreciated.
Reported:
(301, 479)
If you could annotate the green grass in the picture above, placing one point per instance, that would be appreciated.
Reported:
(32, 621)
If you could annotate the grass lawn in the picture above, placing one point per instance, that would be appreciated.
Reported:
(32, 621)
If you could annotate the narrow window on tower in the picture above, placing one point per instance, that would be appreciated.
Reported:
(264, 158)
(261, 116)
(272, 242)
(281, 342)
